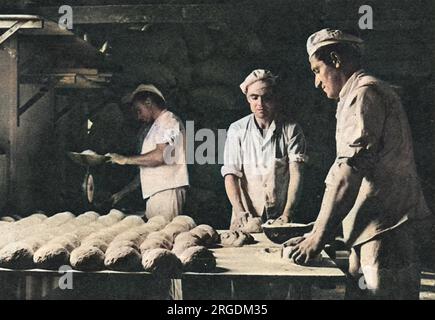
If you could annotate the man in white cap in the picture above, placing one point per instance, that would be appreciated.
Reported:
(263, 156)
(263, 160)
(372, 187)
(162, 161)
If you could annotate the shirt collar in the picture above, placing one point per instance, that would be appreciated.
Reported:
(266, 134)
(161, 115)
(348, 85)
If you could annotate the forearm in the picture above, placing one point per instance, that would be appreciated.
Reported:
(294, 188)
(151, 159)
(232, 188)
(337, 201)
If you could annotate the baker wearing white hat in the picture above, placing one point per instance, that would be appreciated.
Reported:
(372, 187)
(264, 153)
(263, 160)
(162, 160)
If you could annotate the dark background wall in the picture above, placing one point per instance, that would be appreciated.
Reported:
(199, 66)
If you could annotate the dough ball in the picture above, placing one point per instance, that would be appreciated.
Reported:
(198, 259)
(235, 238)
(160, 235)
(92, 214)
(187, 236)
(207, 234)
(173, 230)
(132, 221)
(95, 242)
(123, 258)
(84, 231)
(119, 215)
(40, 215)
(150, 244)
(186, 220)
(121, 243)
(161, 262)
(7, 219)
(60, 218)
(180, 246)
(107, 220)
(142, 230)
(17, 255)
(131, 236)
(158, 220)
(51, 256)
(253, 225)
(87, 258)
(67, 243)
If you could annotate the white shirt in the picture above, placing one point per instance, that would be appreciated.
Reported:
(262, 162)
(166, 129)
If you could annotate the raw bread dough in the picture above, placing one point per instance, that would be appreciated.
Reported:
(180, 246)
(158, 220)
(131, 236)
(207, 234)
(198, 259)
(51, 256)
(117, 214)
(186, 220)
(150, 244)
(132, 221)
(174, 229)
(253, 225)
(17, 255)
(87, 258)
(235, 238)
(95, 242)
(161, 262)
(123, 258)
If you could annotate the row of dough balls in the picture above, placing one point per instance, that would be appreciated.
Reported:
(149, 249)
(91, 242)
(34, 245)
(115, 250)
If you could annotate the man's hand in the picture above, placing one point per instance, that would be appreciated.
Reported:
(240, 220)
(282, 219)
(302, 249)
(117, 158)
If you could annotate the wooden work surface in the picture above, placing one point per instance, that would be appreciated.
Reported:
(263, 259)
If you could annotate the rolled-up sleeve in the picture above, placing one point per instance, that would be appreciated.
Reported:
(296, 148)
(169, 133)
(232, 154)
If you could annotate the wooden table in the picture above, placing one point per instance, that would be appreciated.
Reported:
(262, 262)
(251, 264)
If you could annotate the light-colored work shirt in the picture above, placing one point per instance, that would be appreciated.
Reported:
(261, 161)
(373, 137)
(166, 129)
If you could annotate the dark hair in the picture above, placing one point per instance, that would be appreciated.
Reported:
(348, 53)
(144, 95)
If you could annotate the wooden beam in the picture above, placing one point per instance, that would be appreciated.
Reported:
(9, 96)
(152, 13)
(30, 22)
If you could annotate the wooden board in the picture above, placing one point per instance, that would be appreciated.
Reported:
(263, 259)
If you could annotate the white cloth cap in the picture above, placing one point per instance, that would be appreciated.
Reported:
(329, 36)
(257, 75)
(146, 88)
